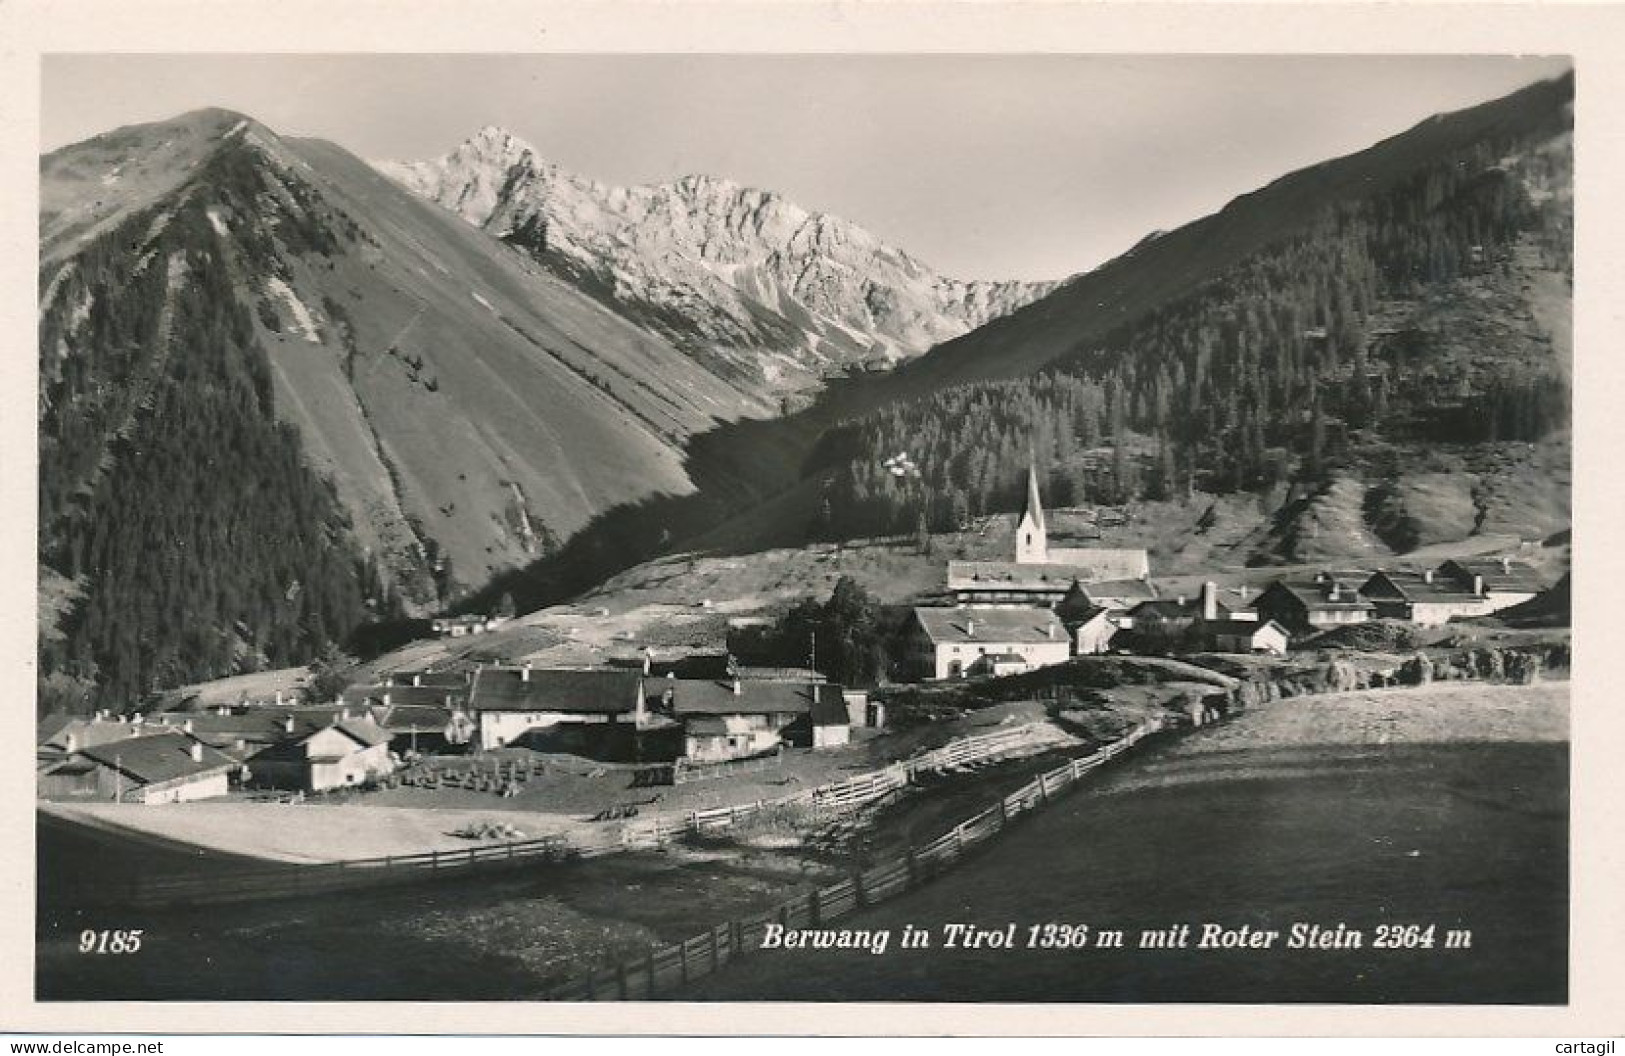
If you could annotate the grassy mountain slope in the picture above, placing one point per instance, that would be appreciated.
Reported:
(1164, 268)
(450, 408)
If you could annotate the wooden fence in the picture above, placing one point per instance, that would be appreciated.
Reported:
(663, 971)
(290, 880)
(285, 881)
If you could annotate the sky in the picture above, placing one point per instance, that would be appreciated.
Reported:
(990, 167)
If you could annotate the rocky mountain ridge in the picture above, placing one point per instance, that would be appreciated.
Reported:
(754, 285)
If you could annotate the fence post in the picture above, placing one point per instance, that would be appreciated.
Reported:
(858, 898)
(814, 909)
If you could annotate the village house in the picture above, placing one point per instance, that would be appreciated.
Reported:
(1089, 625)
(1302, 608)
(165, 766)
(388, 694)
(60, 735)
(957, 643)
(461, 626)
(1040, 575)
(346, 753)
(1250, 636)
(1119, 595)
(591, 712)
(1425, 597)
(736, 718)
(1501, 581)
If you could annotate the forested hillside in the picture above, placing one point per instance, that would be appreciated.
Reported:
(171, 497)
(1392, 318)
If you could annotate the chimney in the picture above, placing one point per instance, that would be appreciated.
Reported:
(417, 680)
(524, 672)
(738, 689)
(279, 698)
(99, 716)
(287, 724)
(1478, 585)
(648, 661)
(1336, 593)
(970, 628)
(1242, 592)
(73, 743)
(1427, 576)
(386, 700)
(1049, 628)
(186, 727)
(1506, 566)
(1210, 601)
(137, 719)
(197, 752)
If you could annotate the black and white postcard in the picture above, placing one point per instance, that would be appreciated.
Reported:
(594, 524)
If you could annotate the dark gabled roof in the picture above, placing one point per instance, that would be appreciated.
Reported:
(1084, 565)
(89, 732)
(159, 757)
(412, 718)
(589, 692)
(408, 694)
(1314, 596)
(1414, 587)
(698, 696)
(1126, 589)
(991, 626)
(829, 709)
(1503, 574)
(448, 679)
(364, 732)
(1246, 628)
(50, 726)
(695, 665)
(1167, 609)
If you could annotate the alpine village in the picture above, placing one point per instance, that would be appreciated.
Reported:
(407, 527)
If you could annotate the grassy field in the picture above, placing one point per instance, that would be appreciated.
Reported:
(1444, 806)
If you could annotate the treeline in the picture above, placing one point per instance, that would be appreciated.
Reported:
(1267, 372)
(849, 637)
(168, 488)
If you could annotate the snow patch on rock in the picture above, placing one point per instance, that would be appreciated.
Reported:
(303, 321)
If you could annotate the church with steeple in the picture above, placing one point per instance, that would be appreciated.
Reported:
(1041, 574)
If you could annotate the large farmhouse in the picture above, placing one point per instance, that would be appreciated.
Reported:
(346, 753)
(596, 712)
(1326, 601)
(956, 643)
(159, 767)
(1424, 598)
(734, 718)
(1501, 581)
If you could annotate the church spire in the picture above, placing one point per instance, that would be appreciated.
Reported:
(1032, 537)
(1035, 506)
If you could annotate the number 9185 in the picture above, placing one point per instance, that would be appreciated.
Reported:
(106, 941)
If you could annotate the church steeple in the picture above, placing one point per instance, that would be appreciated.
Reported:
(1032, 538)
